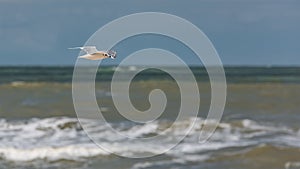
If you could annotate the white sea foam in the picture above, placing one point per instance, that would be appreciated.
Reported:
(72, 152)
(63, 138)
(292, 165)
(142, 165)
(155, 164)
(138, 131)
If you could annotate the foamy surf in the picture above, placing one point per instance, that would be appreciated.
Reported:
(71, 152)
(63, 138)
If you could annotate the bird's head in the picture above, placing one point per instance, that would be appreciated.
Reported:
(112, 54)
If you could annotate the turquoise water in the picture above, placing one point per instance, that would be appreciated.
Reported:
(233, 74)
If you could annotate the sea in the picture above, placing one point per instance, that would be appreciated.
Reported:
(259, 129)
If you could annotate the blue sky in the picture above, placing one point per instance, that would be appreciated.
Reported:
(244, 32)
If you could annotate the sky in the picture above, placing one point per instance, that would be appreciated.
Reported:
(244, 32)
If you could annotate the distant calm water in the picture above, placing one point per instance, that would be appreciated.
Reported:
(260, 127)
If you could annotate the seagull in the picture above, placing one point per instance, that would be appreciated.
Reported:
(93, 54)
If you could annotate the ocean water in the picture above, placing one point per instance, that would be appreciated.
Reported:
(259, 129)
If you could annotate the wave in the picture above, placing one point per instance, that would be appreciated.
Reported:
(292, 165)
(72, 152)
(62, 138)
(26, 84)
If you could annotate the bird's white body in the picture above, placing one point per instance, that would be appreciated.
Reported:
(93, 54)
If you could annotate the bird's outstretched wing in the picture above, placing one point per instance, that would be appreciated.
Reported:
(87, 49)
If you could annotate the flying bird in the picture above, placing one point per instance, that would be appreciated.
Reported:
(93, 54)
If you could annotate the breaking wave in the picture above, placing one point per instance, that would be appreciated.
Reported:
(63, 138)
